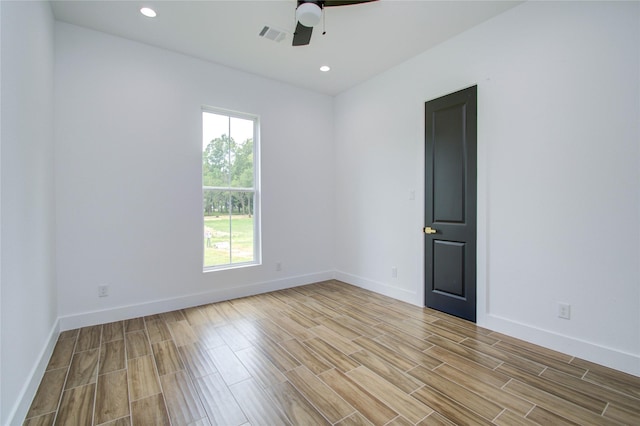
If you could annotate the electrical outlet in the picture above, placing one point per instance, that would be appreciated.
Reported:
(103, 290)
(279, 266)
(564, 311)
(394, 272)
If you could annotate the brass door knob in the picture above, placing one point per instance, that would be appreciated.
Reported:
(430, 230)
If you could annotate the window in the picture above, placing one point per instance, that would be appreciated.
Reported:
(230, 197)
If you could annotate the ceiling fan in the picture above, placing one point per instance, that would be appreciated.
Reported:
(309, 13)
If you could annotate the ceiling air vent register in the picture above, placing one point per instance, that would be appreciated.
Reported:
(273, 34)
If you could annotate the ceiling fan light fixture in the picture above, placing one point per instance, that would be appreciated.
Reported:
(309, 14)
(148, 12)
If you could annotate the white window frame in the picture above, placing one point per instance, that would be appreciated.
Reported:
(257, 245)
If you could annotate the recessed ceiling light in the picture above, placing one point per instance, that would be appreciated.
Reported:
(148, 12)
(325, 68)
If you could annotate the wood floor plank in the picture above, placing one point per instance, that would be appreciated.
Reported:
(356, 419)
(167, 358)
(295, 406)
(257, 405)
(608, 375)
(213, 315)
(399, 401)
(293, 328)
(620, 383)
(183, 403)
(329, 403)
(556, 405)
(112, 331)
(331, 355)
(69, 334)
(137, 344)
(624, 415)
(488, 375)
(76, 406)
(134, 324)
(470, 381)
(305, 356)
(89, 338)
(545, 417)
(197, 360)
(300, 318)
(369, 406)
(509, 418)
(83, 369)
(506, 357)
(436, 419)
(233, 338)
(142, 378)
(464, 331)
(48, 393)
(474, 402)
(112, 357)
(112, 397)
(532, 348)
(208, 336)
(390, 330)
(124, 421)
(218, 401)
(260, 367)
(277, 355)
(392, 357)
(62, 354)
(410, 352)
(593, 389)
(182, 332)
(274, 331)
(390, 373)
(541, 358)
(228, 365)
(150, 411)
(172, 316)
(195, 316)
(158, 331)
(448, 408)
(463, 351)
(43, 420)
(554, 388)
(343, 344)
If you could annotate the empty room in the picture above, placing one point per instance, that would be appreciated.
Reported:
(330, 212)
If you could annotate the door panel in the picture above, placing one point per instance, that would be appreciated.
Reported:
(448, 276)
(450, 197)
(448, 164)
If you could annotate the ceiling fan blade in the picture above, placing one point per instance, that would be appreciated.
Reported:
(302, 35)
(332, 3)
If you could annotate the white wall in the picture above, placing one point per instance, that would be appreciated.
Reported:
(558, 174)
(128, 178)
(28, 290)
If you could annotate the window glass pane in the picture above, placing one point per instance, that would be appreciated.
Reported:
(241, 148)
(217, 228)
(242, 227)
(216, 150)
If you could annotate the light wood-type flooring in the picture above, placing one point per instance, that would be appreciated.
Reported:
(326, 353)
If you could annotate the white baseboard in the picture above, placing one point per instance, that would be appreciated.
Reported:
(120, 313)
(380, 288)
(28, 391)
(609, 357)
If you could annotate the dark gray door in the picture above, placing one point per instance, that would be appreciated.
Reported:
(450, 198)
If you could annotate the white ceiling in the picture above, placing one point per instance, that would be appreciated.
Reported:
(360, 42)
